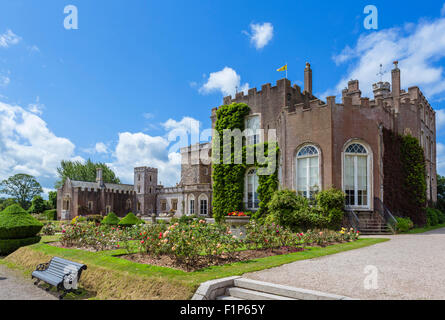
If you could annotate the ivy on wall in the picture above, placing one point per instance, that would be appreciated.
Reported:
(228, 179)
(404, 177)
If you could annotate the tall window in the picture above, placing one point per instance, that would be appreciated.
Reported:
(251, 190)
(253, 123)
(203, 207)
(307, 169)
(90, 205)
(128, 206)
(356, 176)
(192, 206)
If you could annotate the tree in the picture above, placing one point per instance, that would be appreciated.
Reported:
(6, 202)
(52, 200)
(441, 193)
(22, 187)
(76, 170)
(38, 205)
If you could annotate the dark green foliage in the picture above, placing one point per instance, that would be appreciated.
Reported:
(97, 218)
(37, 205)
(294, 211)
(228, 179)
(52, 200)
(111, 219)
(434, 217)
(130, 220)
(187, 219)
(6, 202)
(50, 214)
(10, 245)
(404, 224)
(16, 223)
(404, 177)
(22, 187)
(76, 170)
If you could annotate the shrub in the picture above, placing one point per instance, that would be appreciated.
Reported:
(440, 216)
(48, 229)
(97, 218)
(16, 223)
(187, 219)
(431, 216)
(130, 220)
(111, 219)
(404, 224)
(287, 208)
(330, 199)
(50, 214)
(8, 246)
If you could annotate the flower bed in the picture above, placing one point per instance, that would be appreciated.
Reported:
(197, 244)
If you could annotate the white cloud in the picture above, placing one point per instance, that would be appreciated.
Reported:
(8, 38)
(418, 48)
(260, 34)
(4, 81)
(28, 146)
(227, 81)
(101, 147)
(36, 107)
(139, 149)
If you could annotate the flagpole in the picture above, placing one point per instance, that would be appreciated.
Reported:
(286, 70)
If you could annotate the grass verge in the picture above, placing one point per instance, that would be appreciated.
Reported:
(424, 229)
(111, 277)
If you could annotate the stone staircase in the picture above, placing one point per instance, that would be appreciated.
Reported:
(247, 289)
(371, 223)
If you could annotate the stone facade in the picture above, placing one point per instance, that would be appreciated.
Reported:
(145, 197)
(301, 119)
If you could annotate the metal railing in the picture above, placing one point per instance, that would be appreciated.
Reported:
(385, 214)
(353, 219)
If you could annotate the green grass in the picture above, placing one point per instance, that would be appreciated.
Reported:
(107, 268)
(424, 229)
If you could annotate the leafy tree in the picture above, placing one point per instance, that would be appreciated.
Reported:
(52, 200)
(441, 192)
(6, 202)
(22, 187)
(37, 205)
(76, 170)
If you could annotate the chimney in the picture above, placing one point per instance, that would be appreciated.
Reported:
(308, 78)
(395, 79)
(99, 177)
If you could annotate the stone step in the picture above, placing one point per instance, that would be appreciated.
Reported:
(227, 298)
(253, 295)
(284, 291)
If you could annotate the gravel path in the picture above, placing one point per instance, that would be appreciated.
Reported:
(409, 267)
(13, 286)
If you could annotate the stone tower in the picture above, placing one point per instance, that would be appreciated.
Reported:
(145, 183)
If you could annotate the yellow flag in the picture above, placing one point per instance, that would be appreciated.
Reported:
(283, 68)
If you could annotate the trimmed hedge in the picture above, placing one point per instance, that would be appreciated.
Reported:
(130, 220)
(10, 245)
(16, 223)
(111, 220)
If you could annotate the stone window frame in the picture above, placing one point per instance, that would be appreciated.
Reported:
(246, 190)
(203, 197)
(297, 157)
(191, 208)
(260, 138)
(128, 204)
(370, 173)
(90, 205)
(108, 209)
(163, 205)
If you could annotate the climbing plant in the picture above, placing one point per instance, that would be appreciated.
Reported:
(228, 179)
(404, 177)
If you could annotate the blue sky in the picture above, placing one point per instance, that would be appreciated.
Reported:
(135, 70)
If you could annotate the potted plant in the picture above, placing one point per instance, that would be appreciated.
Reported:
(237, 222)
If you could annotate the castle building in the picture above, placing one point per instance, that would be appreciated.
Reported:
(329, 144)
(192, 195)
(323, 144)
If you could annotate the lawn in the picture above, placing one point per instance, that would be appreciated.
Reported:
(424, 229)
(110, 277)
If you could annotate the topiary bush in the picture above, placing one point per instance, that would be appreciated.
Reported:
(130, 220)
(97, 218)
(17, 228)
(111, 220)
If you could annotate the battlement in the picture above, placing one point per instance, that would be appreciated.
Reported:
(146, 169)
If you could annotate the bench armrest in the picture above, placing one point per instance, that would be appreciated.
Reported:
(42, 266)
